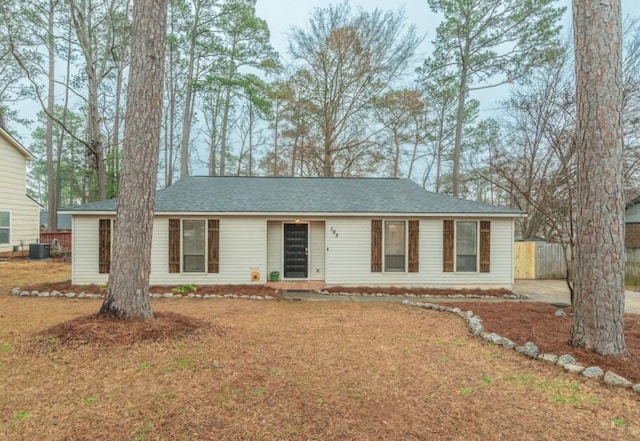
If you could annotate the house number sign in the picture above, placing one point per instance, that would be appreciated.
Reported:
(334, 232)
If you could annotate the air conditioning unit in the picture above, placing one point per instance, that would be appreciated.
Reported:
(39, 251)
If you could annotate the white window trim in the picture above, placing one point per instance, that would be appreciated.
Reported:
(455, 246)
(206, 247)
(406, 246)
(9, 227)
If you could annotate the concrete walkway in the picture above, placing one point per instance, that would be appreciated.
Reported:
(549, 291)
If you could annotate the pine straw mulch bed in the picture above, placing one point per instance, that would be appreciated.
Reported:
(535, 322)
(261, 290)
(251, 290)
(291, 371)
(106, 331)
(431, 292)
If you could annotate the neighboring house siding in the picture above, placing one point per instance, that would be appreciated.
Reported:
(349, 253)
(632, 235)
(632, 226)
(24, 211)
(317, 246)
(632, 214)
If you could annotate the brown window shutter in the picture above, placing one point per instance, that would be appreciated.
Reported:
(414, 253)
(447, 246)
(485, 246)
(104, 246)
(174, 245)
(214, 246)
(376, 246)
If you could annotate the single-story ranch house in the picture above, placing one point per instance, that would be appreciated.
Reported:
(320, 231)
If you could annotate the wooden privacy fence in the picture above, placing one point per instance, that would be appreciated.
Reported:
(524, 261)
(541, 260)
(64, 237)
(632, 269)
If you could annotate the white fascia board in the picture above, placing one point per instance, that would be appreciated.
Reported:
(286, 215)
(307, 215)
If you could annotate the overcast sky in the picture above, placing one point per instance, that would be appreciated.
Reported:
(281, 15)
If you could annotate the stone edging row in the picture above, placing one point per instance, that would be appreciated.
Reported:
(168, 295)
(425, 296)
(566, 361)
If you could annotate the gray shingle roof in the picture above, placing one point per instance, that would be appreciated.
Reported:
(304, 195)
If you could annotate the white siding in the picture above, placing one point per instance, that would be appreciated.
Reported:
(349, 257)
(242, 250)
(84, 251)
(340, 248)
(24, 212)
(274, 246)
(316, 248)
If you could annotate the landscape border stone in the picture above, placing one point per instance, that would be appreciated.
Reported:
(512, 296)
(566, 361)
(169, 295)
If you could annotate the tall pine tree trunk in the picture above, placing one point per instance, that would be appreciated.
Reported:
(189, 95)
(115, 155)
(457, 145)
(598, 323)
(223, 130)
(63, 133)
(186, 120)
(52, 210)
(128, 289)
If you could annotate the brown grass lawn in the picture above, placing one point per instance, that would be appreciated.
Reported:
(286, 371)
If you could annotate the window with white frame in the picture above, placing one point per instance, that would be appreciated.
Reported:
(395, 246)
(193, 246)
(466, 246)
(5, 227)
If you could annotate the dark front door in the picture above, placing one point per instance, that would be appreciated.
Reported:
(296, 247)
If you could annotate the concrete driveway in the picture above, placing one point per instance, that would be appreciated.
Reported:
(557, 291)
